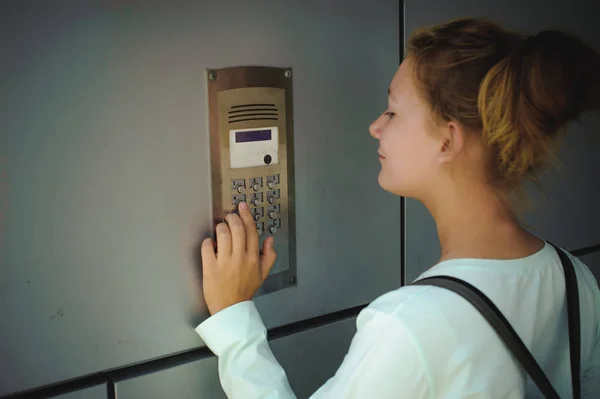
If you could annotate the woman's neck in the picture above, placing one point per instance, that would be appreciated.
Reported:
(476, 222)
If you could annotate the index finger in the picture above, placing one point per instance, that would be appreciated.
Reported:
(251, 234)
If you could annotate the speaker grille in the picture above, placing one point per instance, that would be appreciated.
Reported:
(253, 112)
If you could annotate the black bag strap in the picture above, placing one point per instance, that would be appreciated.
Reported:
(511, 339)
(573, 318)
(500, 324)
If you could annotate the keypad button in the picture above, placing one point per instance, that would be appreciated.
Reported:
(272, 229)
(272, 214)
(236, 183)
(256, 199)
(274, 207)
(257, 213)
(237, 198)
(256, 183)
(274, 193)
(271, 199)
(272, 180)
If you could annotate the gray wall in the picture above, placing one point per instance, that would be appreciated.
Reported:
(569, 213)
(104, 143)
(96, 392)
(592, 260)
(309, 358)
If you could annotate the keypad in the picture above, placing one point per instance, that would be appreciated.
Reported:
(263, 197)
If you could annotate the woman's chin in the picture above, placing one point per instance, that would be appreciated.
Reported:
(383, 183)
(390, 187)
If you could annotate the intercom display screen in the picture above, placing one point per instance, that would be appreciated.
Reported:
(246, 136)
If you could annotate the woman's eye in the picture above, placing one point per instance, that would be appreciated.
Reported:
(389, 114)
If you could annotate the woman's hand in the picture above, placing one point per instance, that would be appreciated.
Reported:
(236, 271)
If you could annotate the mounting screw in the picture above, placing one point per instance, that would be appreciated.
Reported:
(212, 75)
(292, 280)
(288, 73)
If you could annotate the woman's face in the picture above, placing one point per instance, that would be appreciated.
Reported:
(408, 143)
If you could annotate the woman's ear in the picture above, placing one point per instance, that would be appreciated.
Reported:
(452, 141)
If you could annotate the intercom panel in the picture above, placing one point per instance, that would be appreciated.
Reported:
(251, 137)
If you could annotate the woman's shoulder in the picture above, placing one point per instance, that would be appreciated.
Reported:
(406, 305)
(427, 306)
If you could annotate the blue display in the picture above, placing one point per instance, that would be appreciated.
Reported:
(253, 135)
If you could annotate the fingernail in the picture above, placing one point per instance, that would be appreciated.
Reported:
(243, 205)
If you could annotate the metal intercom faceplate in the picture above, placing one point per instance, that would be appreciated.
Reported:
(251, 150)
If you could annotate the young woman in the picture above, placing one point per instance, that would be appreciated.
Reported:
(473, 111)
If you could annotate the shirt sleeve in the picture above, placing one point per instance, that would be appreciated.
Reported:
(383, 361)
(247, 367)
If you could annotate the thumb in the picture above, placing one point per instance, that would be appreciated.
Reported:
(268, 257)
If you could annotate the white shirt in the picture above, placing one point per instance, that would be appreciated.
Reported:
(428, 342)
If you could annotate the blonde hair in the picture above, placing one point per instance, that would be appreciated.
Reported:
(518, 91)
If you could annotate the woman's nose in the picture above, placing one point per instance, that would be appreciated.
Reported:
(375, 128)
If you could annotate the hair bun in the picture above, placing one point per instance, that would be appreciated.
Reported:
(531, 95)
